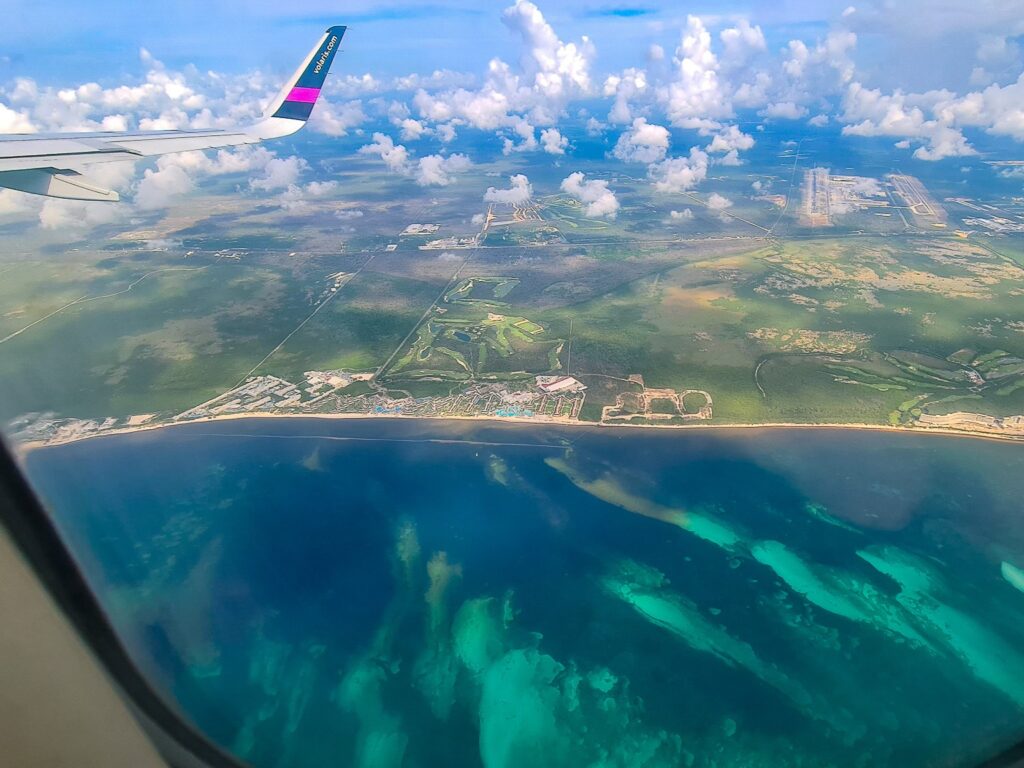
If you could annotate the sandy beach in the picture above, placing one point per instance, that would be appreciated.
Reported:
(25, 448)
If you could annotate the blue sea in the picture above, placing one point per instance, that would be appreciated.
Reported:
(409, 593)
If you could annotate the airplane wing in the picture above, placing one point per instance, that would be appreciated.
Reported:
(52, 165)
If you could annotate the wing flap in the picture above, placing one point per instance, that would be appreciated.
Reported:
(53, 182)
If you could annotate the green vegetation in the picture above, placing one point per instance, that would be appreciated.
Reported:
(467, 337)
(358, 330)
(541, 233)
(821, 354)
(147, 349)
(827, 327)
(485, 291)
(185, 334)
(568, 216)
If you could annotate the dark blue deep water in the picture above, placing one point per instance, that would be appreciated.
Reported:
(406, 593)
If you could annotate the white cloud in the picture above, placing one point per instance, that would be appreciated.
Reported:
(336, 119)
(12, 121)
(348, 86)
(755, 92)
(678, 174)
(114, 123)
(445, 132)
(164, 99)
(869, 112)
(684, 215)
(729, 142)
(695, 98)
(15, 203)
(551, 72)
(522, 130)
(439, 78)
(997, 109)
(525, 101)
(176, 175)
(730, 139)
(740, 43)
(519, 191)
(167, 99)
(945, 142)
(980, 77)
(158, 187)
(600, 201)
(556, 68)
(432, 170)
(999, 52)
(783, 110)
(717, 202)
(279, 173)
(625, 87)
(486, 109)
(321, 188)
(72, 217)
(412, 129)
(438, 170)
(553, 142)
(296, 197)
(642, 143)
(829, 63)
(395, 156)
(809, 74)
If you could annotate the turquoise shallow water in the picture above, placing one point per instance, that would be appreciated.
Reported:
(404, 593)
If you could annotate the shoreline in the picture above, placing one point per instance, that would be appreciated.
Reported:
(23, 449)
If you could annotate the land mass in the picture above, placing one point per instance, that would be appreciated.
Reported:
(818, 297)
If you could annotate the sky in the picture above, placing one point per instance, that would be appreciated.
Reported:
(934, 43)
(930, 75)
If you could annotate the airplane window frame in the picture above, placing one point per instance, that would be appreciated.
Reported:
(33, 532)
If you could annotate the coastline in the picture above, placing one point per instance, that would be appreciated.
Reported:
(22, 450)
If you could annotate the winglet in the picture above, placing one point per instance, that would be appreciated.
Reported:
(293, 104)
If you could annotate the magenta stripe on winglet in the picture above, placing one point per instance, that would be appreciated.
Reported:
(305, 95)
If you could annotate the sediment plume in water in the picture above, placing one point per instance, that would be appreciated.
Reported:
(608, 489)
